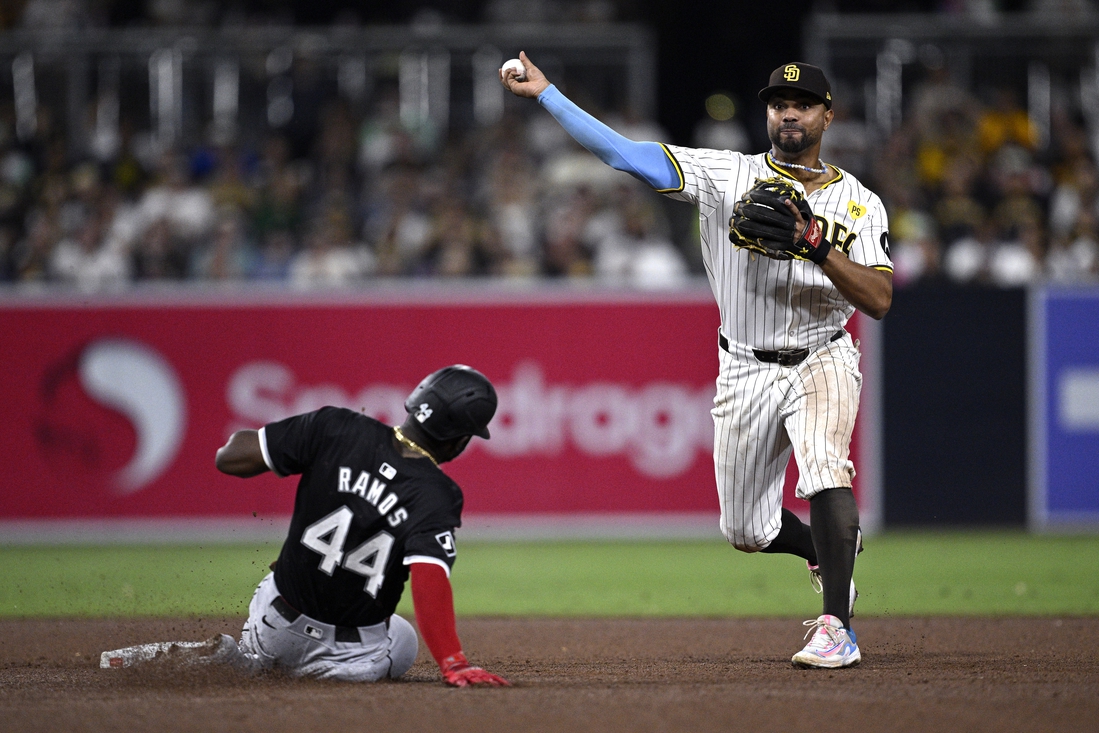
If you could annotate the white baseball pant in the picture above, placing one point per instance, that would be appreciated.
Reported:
(305, 647)
(764, 411)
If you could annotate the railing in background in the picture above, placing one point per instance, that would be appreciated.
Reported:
(188, 85)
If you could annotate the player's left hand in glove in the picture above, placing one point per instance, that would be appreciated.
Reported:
(774, 219)
(457, 671)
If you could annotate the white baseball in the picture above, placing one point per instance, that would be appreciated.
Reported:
(517, 66)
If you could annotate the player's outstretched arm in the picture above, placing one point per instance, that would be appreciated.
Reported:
(649, 162)
(242, 455)
(433, 600)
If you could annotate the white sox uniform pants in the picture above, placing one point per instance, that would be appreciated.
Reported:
(764, 411)
(304, 647)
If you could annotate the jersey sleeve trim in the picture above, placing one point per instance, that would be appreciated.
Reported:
(883, 268)
(678, 171)
(428, 559)
(266, 453)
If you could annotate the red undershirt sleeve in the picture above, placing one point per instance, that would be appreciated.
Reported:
(433, 601)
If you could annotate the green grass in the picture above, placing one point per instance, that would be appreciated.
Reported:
(911, 573)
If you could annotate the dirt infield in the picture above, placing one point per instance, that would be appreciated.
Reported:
(582, 675)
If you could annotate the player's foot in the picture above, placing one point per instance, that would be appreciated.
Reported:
(818, 585)
(831, 647)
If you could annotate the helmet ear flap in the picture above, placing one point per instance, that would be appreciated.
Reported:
(453, 402)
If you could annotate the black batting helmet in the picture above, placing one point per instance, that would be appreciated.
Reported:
(453, 402)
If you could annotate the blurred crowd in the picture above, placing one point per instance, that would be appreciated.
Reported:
(976, 194)
(363, 198)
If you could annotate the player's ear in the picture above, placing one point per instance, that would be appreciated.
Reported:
(828, 115)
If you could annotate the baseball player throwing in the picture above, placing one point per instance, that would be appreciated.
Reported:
(372, 507)
(792, 246)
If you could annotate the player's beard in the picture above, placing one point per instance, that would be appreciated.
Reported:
(793, 145)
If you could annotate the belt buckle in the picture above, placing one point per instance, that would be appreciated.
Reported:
(792, 357)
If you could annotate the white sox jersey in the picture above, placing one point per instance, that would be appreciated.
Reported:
(777, 304)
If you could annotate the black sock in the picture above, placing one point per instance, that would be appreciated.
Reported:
(793, 538)
(834, 517)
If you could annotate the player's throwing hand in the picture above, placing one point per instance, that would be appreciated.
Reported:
(532, 84)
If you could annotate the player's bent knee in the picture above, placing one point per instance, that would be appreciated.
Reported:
(744, 542)
(403, 646)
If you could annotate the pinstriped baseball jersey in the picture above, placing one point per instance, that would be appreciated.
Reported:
(771, 304)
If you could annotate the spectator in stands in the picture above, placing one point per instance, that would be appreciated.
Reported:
(461, 244)
(187, 209)
(158, 255)
(228, 188)
(278, 203)
(565, 253)
(397, 220)
(638, 253)
(966, 259)
(1074, 197)
(1074, 259)
(85, 261)
(957, 212)
(1020, 185)
(33, 253)
(227, 255)
(1004, 123)
(1017, 260)
(915, 248)
(275, 255)
(511, 184)
(329, 258)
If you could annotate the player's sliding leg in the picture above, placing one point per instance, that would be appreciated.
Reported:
(793, 538)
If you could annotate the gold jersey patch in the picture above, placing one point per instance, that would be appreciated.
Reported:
(857, 211)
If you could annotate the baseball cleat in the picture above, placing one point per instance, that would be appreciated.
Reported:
(818, 585)
(831, 647)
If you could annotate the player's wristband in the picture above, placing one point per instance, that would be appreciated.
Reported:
(813, 243)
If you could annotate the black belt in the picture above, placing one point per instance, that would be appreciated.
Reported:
(783, 357)
(291, 614)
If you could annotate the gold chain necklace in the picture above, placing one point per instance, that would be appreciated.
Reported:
(405, 441)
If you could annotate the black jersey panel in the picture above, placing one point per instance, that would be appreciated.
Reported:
(361, 508)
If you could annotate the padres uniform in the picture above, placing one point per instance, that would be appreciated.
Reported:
(363, 513)
(764, 409)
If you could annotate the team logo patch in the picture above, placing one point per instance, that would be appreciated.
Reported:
(446, 541)
(791, 72)
(313, 631)
(387, 471)
(423, 412)
(857, 211)
(885, 243)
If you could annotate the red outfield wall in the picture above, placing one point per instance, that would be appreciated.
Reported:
(113, 409)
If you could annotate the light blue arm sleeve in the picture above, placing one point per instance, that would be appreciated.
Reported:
(647, 161)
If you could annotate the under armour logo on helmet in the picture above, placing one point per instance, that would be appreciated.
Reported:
(423, 412)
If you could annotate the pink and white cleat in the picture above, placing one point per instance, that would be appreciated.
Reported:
(831, 647)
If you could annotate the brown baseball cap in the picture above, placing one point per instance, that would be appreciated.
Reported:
(800, 76)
